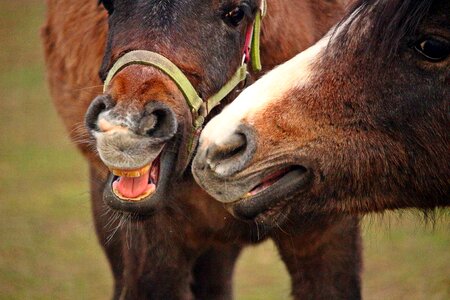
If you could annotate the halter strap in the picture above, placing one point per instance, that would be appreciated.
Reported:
(255, 46)
(153, 59)
(198, 108)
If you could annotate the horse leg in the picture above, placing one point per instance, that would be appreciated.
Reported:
(112, 245)
(325, 260)
(213, 272)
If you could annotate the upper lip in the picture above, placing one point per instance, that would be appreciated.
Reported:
(134, 171)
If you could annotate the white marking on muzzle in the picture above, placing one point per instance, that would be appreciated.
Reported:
(118, 146)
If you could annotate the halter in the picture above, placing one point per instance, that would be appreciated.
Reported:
(199, 108)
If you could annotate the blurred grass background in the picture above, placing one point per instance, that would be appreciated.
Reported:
(48, 248)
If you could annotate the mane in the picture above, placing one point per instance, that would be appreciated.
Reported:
(392, 20)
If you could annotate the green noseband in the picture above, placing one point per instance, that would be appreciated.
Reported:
(199, 108)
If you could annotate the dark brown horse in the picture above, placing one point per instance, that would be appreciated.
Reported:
(357, 123)
(171, 240)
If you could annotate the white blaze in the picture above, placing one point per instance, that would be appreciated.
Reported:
(270, 88)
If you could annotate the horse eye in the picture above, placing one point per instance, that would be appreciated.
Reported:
(235, 16)
(433, 49)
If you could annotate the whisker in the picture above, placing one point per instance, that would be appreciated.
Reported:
(281, 229)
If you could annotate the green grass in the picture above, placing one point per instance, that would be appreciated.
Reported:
(48, 247)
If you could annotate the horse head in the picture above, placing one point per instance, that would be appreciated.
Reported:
(356, 123)
(166, 65)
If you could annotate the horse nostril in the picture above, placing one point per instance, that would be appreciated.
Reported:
(233, 154)
(235, 145)
(148, 124)
(97, 106)
(159, 121)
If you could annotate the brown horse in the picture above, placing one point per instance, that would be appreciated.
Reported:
(357, 123)
(169, 239)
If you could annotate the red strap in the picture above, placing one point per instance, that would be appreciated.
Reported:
(248, 40)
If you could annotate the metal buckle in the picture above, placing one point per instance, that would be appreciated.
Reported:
(245, 83)
(263, 8)
(244, 59)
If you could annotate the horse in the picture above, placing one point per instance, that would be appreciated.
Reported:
(357, 123)
(169, 239)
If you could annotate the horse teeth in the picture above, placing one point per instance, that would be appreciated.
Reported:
(131, 173)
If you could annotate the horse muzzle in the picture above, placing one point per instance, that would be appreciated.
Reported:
(249, 190)
(132, 143)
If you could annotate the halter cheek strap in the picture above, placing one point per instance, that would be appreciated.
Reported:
(199, 108)
(252, 40)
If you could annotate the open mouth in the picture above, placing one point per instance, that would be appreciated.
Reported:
(268, 181)
(136, 185)
(267, 199)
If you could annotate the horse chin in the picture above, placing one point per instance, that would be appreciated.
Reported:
(151, 201)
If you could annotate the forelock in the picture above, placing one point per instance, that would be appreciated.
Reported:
(388, 21)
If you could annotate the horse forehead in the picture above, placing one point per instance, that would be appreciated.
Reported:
(163, 8)
(162, 19)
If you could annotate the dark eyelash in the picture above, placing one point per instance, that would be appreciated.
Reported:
(246, 8)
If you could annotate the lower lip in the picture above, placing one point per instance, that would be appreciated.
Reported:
(151, 188)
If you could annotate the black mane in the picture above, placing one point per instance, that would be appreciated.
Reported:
(392, 20)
